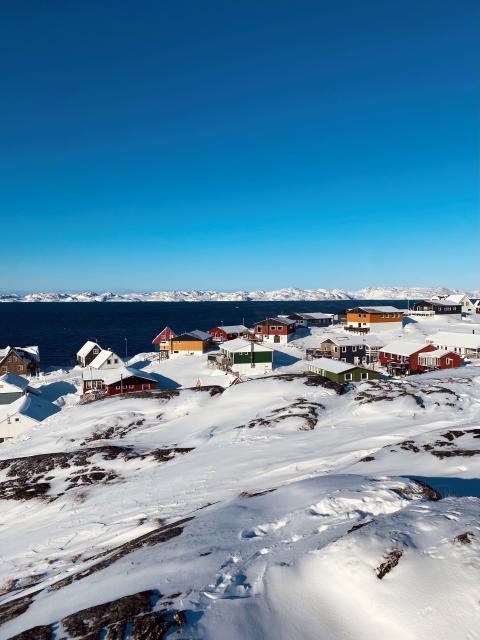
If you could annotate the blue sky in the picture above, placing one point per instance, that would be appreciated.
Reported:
(167, 145)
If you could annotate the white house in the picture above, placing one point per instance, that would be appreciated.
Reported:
(106, 359)
(245, 357)
(22, 414)
(460, 298)
(13, 387)
(466, 345)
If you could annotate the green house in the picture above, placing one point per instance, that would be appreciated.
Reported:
(341, 372)
(246, 358)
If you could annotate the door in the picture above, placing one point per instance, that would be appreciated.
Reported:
(276, 338)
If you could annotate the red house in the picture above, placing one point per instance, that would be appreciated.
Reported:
(162, 341)
(222, 334)
(115, 381)
(439, 359)
(403, 357)
(279, 330)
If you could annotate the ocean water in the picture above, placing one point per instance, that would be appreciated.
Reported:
(60, 329)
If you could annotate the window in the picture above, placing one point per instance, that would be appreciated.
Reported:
(109, 361)
(116, 360)
(96, 351)
(344, 349)
(259, 329)
(17, 419)
(354, 348)
(364, 375)
(348, 376)
(449, 361)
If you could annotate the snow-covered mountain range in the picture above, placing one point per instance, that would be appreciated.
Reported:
(289, 293)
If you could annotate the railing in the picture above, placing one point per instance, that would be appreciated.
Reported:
(423, 314)
(356, 329)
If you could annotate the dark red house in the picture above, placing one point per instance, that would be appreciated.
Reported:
(115, 381)
(403, 357)
(279, 330)
(224, 333)
(439, 359)
(162, 341)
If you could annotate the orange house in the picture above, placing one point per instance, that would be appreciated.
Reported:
(383, 318)
(192, 343)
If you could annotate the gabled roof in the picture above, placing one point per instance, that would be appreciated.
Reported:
(102, 357)
(333, 366)
(456, 298)
(31, 406)
(451, 338)
(111, 376)
(87, 347)
(232, 328)
(380, 309)
(276, 320)
(403, 348)
(354, 341)
(33, 351)
(243, 345)
(164, 336)
(438, 353)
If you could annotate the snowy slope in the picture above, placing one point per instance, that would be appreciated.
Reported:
(275, 508)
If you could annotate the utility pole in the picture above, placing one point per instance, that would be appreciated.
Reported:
(126, 349)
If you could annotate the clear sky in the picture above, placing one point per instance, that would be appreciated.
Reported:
(255, 144)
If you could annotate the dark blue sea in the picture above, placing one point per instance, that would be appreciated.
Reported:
(60, 329)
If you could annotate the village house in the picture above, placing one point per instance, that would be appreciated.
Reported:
(401, 356)
(430, 308)
(22, 414)
(13, 386)
(230, 332)
(162, 341)
(476, 305)
(243, 357)
(374, 319)
(106, 359)
(341, 372)
(277, 330)
(439, 359)
(87, 353)
(193, 343)
(466, 345)
(467, 305)
(312, 319)
(353, 349)
(20, 360)
(117, 381)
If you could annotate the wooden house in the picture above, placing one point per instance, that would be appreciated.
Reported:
(374, 319)
(117, 381)
(466, 345)
(162, 341)
(20, 360)
(436, 307)
(312, 319)
(277, 330)
(439, 359)
(361, 349)
(230, 332)
(87, 353)
(402, 356)
(341, 372)
(192, 343)
(244, 357)
(24, 413)
(13, 386)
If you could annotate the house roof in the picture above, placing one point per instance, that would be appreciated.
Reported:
(456, 298)
(33, 351)
(87, 347)
(166, 334)
(243, 345)
(354, 341)
(203, 335)
(403, 347)
(15, 381)
(438, 353)
(334, 366)
(31, 406)
(314, 315)
(102, 357)
(232, 328)
(380, 309)
(453, 339)
(5, 351)
(111, 376)
(276, 319)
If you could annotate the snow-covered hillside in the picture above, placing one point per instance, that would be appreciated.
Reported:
(272, 509)
(368, 293)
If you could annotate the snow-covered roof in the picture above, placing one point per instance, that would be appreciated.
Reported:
(452, 339)
(110, 376)
(243, 345)
(31, 350)
(370, 340)
(280, 319)
(314, 315)
(438, 353)
(202, 335)
(232, 328)
(102, 357)
(403, 347)
(334, 366)
(87, 347)
(9, 380)
(380, 309)
(31, 406)
(5, 351)
(456, 298)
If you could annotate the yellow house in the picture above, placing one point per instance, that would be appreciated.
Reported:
(191, 343)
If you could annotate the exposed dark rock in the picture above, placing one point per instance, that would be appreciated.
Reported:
(391, 560)
(360, 525)
(464, 538)
(43, 632)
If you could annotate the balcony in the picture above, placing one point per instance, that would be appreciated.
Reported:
(356, 329)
